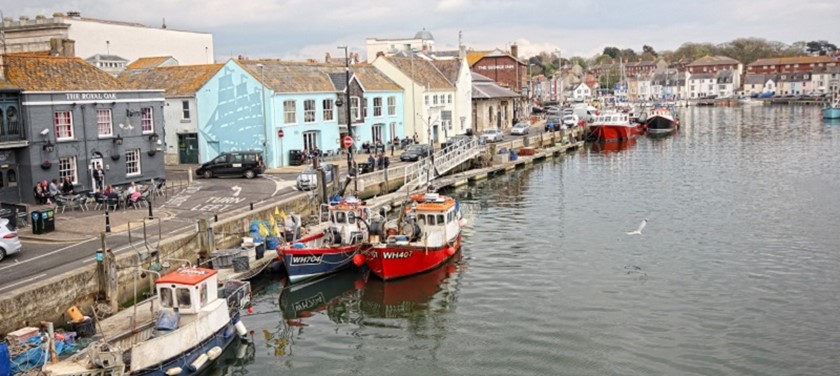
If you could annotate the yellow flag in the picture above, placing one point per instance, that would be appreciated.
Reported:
(283, 215)
(276, 230)
(271, 221)
(263, 230)
(276, 211)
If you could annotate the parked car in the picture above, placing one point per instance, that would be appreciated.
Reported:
(570, 120)
(308, 178)
(553, 122)
(236, 163)
(520, 129)
(457, 140)
(9, 241)
(492, 135)
(416, 151)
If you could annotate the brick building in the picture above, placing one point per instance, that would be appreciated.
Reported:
(796, 64)
(504, 68)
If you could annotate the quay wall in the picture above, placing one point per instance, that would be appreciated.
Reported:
(48, 299)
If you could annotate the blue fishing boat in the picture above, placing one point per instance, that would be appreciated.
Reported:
(832, 112)
(330, 245)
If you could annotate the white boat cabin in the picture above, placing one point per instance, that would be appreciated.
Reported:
(188, 290)
(612, 118)
(438, 219)
(343, 218)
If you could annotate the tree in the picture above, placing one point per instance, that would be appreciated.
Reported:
(692, 51)
(579, 61)
(649, 50)
(820, 47)
(628, 54)
(612, 52)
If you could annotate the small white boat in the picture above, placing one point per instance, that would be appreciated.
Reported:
(179, 331)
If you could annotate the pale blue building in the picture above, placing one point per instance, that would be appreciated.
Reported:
(302, 111)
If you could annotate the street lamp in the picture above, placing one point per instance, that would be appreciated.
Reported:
(349, 121)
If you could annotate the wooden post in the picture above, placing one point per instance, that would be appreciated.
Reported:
(203, 241)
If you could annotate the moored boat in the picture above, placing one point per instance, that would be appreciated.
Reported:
(427, 235)
(661, 121)
(832, 112)
(612, 126)
(331, 244)
(180, 331)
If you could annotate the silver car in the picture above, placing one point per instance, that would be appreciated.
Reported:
(9, 241)
(308, 178)
(492, 135)
(520, 129)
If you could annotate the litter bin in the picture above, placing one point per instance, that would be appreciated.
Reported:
(48, 216)
(295, 157)
(37, 223)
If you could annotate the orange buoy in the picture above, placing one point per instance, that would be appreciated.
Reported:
(450, 251)
(358, 259)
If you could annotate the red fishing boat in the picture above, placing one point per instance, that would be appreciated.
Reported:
(612, 126)
(427, 234)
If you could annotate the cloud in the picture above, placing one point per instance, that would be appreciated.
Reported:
(452, 5)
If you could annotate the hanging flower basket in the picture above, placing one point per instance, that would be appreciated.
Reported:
(46, 165)
(151, 152)
(115, 157)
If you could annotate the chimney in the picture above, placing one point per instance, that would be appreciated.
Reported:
(68, 48)
(514, 50)
(327, 58)
(73, 14)
(55, 46)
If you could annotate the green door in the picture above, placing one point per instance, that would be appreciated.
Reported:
(188, 148)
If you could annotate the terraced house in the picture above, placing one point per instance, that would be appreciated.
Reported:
(60, 117)
(284, 108)
(180, 84)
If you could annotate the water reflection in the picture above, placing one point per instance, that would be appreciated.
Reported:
(302, 300)
(611, 147)
(405, 297)
(234, 360)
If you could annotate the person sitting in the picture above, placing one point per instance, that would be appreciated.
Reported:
(53, 189)
(132, 188)
(40, 194)
(132, 199)
(67, 186)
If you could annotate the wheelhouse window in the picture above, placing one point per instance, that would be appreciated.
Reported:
(309, 111)
(146, 120)
(289, 109)
(184, 300)
(166, 297)
(132, 162)
(63, 125)
(104, 123)
(329, 114)
(67, 168)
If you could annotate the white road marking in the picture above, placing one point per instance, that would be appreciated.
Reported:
(22, 282)
(48, 254)
(236, 189)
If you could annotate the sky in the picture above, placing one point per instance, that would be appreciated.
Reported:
(304, 29)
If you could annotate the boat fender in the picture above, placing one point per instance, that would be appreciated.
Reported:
(241, 351)
(174, 371)
(229, 331)
(214, 353)
(198, 363)
(240, 328)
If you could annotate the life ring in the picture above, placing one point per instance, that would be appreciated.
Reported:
(391, 231)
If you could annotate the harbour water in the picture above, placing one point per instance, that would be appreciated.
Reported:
(734, 274)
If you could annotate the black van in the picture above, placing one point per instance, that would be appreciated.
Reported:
(236, 163)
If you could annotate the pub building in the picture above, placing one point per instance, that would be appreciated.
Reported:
(60, 117)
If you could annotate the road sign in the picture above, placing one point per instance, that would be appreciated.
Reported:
(348, 141)
(280, 133)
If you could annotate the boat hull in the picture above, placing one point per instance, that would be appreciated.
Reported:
(306, 263)
(392, 261)
(831, 113)
(608, 132)
(222, 338)
(660, 125)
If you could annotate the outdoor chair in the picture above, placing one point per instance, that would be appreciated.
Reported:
(112, 203)
(64, 202)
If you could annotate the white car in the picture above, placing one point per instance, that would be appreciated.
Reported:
(492, 135)
(520, 129)
(9, 241)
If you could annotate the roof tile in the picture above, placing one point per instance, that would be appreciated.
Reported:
(49, 73)
(177, 81)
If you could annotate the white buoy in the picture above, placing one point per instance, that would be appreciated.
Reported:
(240, 328)
(174, 371)
(198, 363)
(241, 351)
(214, 353)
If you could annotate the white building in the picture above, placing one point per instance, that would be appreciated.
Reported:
(429, 97)
(581, 93)
(128, 40)
(701, 85)
(422, 41)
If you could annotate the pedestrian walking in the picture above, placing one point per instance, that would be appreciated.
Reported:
(380, 161)
(371, 163)
(99, 175)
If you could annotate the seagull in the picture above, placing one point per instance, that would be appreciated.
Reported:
(638, 230)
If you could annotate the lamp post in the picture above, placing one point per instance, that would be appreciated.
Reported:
(349, 120)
